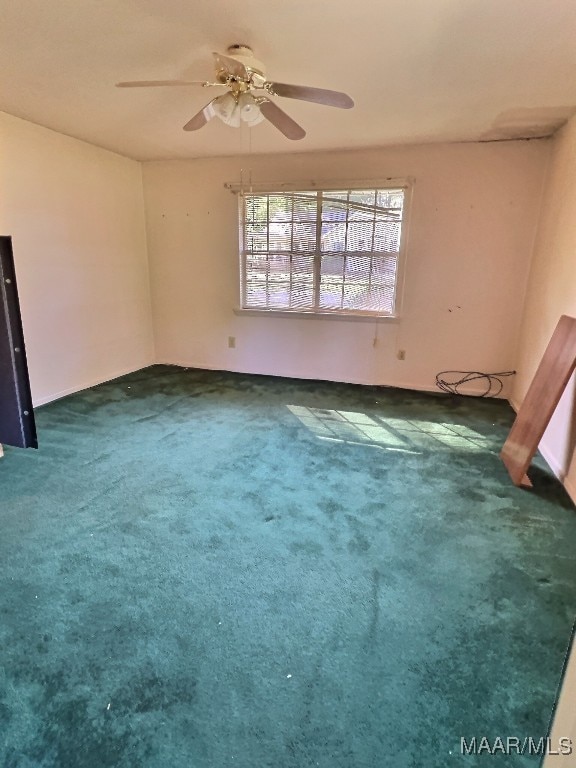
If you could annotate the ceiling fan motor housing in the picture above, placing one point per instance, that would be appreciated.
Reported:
(244, 55)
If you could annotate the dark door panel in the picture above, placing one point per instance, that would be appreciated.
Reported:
(17, 426)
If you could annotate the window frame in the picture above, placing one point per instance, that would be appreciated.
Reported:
(310, 186)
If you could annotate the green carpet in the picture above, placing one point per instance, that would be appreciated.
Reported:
(216, 570)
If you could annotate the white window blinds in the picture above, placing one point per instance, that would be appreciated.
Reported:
(321, 251)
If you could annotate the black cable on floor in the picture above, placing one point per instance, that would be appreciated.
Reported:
(493, 382)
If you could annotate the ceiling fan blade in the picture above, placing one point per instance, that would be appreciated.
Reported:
(154, 83)
(316, 95)
(201, 118)
(233, 67)
(282, 121)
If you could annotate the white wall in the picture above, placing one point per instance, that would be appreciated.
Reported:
(76, 216)
(551, 293)
(564, 726)
(472, 227)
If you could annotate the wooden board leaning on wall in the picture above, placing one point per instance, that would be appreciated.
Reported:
(549, 382)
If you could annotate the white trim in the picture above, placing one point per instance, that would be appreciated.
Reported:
(205, 367)
(310, 185)
(275, 374)
(400, 286)
(570, 488)
(431, 389)
(552, 461)
(400, 258)
(354, 316)
(558, 470)
(471, 392)
(87, 385)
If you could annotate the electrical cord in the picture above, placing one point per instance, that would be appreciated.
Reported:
(494, 383)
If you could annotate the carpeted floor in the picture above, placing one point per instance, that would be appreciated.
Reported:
(213, 570)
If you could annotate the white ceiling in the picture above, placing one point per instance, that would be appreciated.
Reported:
(418, 70)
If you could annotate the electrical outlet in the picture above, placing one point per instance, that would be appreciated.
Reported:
(401, 354)
(232, 342)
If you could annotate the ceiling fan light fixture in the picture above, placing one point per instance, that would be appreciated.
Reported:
(233, 110)
(241, 73)
(226, 108)
(249, 109)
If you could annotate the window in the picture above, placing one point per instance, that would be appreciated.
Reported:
(322, 251)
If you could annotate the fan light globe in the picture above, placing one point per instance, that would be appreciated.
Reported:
(227, 110)
(234, 112)
(249, 109)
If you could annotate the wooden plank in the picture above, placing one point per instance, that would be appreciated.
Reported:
(543, 395)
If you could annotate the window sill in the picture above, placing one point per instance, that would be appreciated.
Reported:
(370, 317)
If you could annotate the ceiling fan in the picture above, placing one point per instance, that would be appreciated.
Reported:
(247, 91)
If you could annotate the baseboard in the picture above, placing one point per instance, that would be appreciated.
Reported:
(470, 391)
(87, 385)
(419, 387)
(203, 367)
(552, 461)
(570, 487)
(558, 470)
